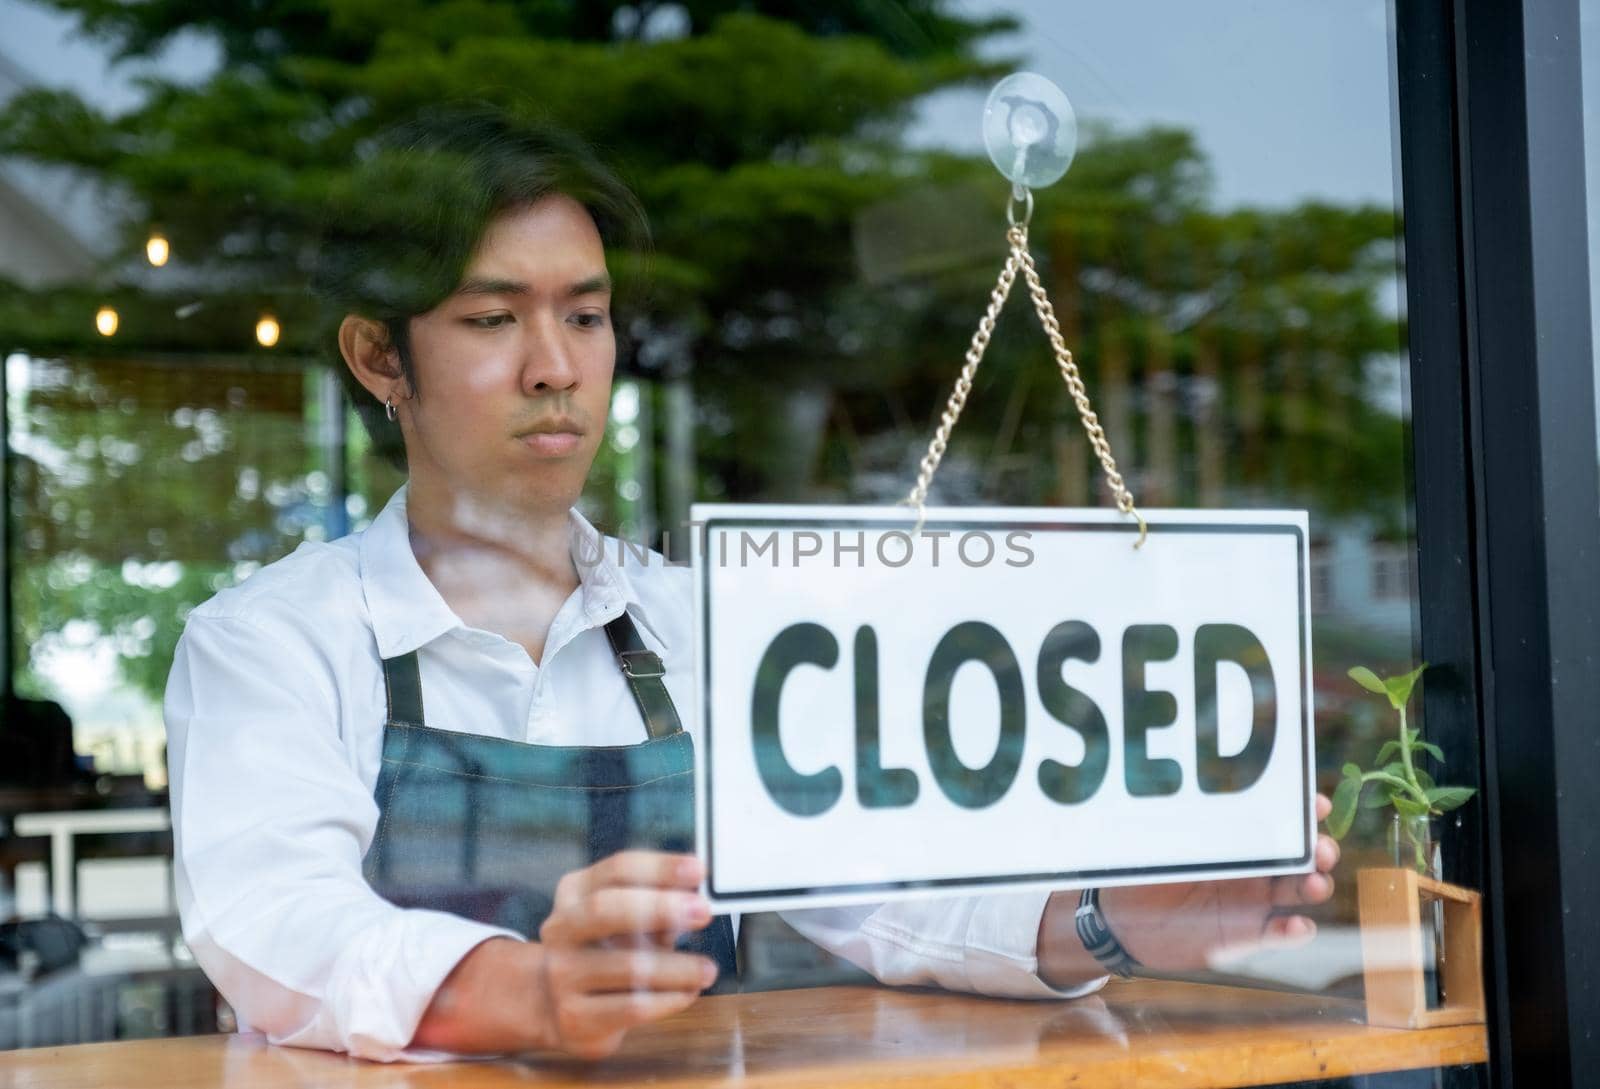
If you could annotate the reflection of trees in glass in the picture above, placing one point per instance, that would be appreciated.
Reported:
(743, 136)
(1228, 347)
(753, 139)
(1230, 353)
(816, 278)
(139, 491)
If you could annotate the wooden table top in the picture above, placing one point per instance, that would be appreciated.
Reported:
(1138, 1034)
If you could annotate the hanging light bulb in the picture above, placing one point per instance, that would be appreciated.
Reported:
(267, 331)
(157, 249)
(106, 321)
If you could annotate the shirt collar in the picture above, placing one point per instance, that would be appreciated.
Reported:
(607, 588)
(408, 612)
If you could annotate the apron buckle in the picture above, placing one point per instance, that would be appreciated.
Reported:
(637, 664)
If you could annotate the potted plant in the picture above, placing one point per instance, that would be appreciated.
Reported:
(1393, 900)
(1416, 799)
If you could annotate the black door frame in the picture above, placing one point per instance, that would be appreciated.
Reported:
(1508, 496)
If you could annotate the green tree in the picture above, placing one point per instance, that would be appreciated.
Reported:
(717, 124)
(800, 279)
(138, 492)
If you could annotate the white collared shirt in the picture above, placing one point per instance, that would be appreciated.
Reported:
(275, 710)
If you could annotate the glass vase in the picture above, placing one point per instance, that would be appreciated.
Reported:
(1414, 844)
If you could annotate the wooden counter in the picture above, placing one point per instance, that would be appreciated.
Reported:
(1139, 1034)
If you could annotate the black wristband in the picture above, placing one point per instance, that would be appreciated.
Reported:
(1097, 938)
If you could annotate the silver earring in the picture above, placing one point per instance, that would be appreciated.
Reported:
(388, 407)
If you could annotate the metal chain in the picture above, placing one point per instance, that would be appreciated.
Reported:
(958, 396)
(1021, 260)
(1069, 371)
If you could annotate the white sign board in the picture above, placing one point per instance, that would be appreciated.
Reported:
(1013, 697)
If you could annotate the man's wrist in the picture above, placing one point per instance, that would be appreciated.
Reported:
(1098, 937)
(492, 1001)
(1063, 961)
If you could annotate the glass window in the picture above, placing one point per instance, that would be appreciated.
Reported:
(139, 488)
(1223, 257)
(1590, 35)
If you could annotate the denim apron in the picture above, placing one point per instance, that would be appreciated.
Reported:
(484, 827)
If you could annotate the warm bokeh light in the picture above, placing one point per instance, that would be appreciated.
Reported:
(267, 331)
(157, 249)
(106, 320)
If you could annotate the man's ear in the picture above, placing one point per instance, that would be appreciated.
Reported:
(367, 351)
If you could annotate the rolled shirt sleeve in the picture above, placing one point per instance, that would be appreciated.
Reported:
(980, 944)
(271, 820)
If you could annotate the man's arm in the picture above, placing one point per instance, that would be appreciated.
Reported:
(1180, 927)
(1026, 945)
(271, 821)
(985, 944)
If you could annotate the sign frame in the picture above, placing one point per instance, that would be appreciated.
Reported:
(1163, 524)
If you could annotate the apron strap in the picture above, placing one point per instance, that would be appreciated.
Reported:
(402, 686)
(643, 669)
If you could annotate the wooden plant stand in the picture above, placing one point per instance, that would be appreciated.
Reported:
(1392, 951)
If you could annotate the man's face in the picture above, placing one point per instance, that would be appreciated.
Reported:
(514, 369)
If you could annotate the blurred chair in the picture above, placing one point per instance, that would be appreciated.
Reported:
(134, 977)
(36, 755)
(36, 745)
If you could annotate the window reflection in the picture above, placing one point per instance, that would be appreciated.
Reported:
(1223, 257)
(138, 489)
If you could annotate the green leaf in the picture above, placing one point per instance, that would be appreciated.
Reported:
(1378, 798)
(1408, 808)
(1345, 796)
(1399, 688)
(1352, 771)
(1368, 680)
(1432, 750)
(1424, 780)
(1395, 768)
(1388, 751)
(1444, 799)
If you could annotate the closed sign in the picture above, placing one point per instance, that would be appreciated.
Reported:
(1001, 698)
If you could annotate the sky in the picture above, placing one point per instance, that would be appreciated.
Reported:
(1289, 97)
(43, 43)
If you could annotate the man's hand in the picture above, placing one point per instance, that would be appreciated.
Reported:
(1179, 927)
(609, 963)
(604, 963)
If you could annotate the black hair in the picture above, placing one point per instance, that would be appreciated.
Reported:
(399, 229)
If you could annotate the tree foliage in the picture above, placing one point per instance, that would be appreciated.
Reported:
(817, 277)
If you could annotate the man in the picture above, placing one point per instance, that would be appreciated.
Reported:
(431, 785)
